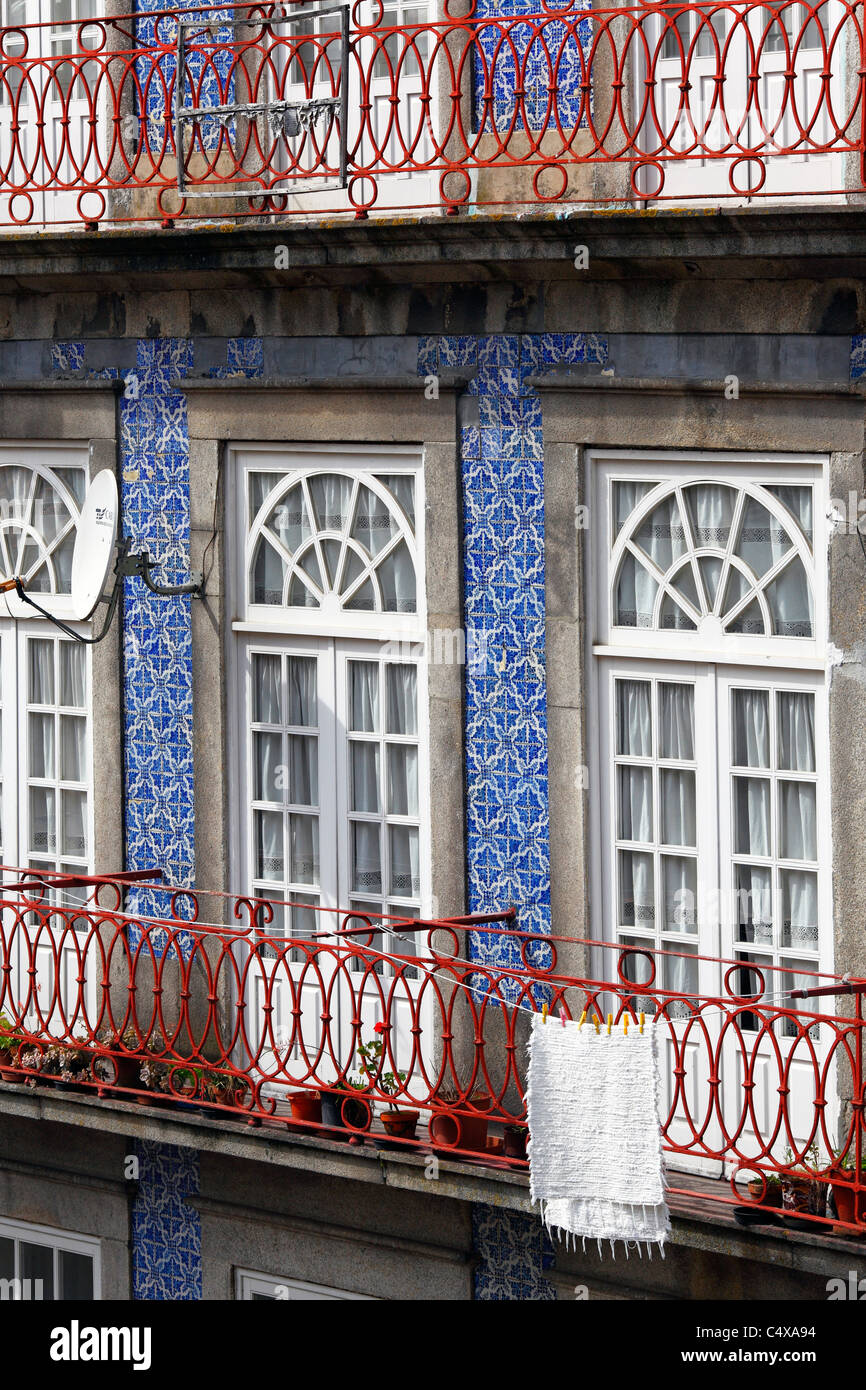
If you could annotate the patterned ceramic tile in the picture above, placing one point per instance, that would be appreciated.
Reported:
(166, 1230)
(513, 1252)
(67, 357)
(530, 76)
(858, 356)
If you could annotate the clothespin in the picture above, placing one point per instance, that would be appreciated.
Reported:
(582, 1020)
(562, 1015)
(625, 1024)
(642, 1017)
(544, 1014)
(597, 1022)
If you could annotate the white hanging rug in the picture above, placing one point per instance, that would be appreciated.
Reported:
(595, 1149)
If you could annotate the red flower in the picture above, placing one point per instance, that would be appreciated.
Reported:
(379, 1027)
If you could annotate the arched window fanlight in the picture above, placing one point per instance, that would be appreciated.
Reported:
(39, 512)
(715, 557)
(333, 541)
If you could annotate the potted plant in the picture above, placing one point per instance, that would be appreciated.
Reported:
(800, 1191)
(117, 1061)
(514, 1140)
(10, 1043)
(306, 1106)
(766, 1190)
(850, 1205)
(399, 1122)
(450, 1130)
(339, 1110)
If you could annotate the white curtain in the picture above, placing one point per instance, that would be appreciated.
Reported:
(754, 904)
(796, 730)
(678, 807)
(366, 857)
(301, 683)
(799, 908)
(680, 894)
(270, 855)
(365, 778)
(304, 848)
(402, 699)
(396, 575)
(711, 508)
(364, 696)
(73, 834)
(402, 780)
(677, 721)
(266, 689)
(290, 520)
(752, 815)
(73, 730)
(751, 731)
(637, 899)
(72, 675)
(798, 500)
(41, 745)
(634, 719)
(405, 873)
(41, 676)
(331, 494)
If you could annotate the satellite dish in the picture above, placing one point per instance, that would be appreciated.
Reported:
(94, 544)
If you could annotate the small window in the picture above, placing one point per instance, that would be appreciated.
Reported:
(269, 1288)
(40, 1264)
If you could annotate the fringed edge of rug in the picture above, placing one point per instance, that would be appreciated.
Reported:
(566, 1235)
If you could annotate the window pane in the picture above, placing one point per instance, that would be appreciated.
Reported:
(365, 777)
(799, 893)
(795, 731)
(402, 780)
(42, 829)
(751, 815)
(661, 536)
(680, 894)
(635, 804)
(303, 770)
(762, 539)
(301, 679)
(754, 907)
(678, 807)
(41, 688)
(267, 758)
(790, 600)
(680, 976)
(74, 831)
(797, 829)
(41, 745)
(72, 675)
(751, 728)
(405, 873)
(636, 896)
(634, 719)
(304, 836)
(364, 696)
(270, 856)
(73, 731)
(37, 1262)
(266, 689)
(635, 595)
(677, 721)
(402, 699)
(76, 1275)
(366, 857)
(7, 1258)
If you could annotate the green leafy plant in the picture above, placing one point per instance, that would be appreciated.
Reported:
(370, 1063)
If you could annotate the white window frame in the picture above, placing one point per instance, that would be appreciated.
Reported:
(634, 653)
(249, 1282)
(57, 1240)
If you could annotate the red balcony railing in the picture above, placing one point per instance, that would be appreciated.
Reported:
(344, 1025)
(248, 110)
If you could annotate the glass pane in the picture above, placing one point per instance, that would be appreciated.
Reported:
(797, 828)
(736, 588)
(678, 807)
(365, 777)
(711, 571)
(7, 1258)
(260, 485)
(41, 745)
(332, 550)
(402, 682)
(36, 1262)
(674, 618)
(76, 1275)
(754, 914)
(73, 732)
(269, 781)
(269, 574)
(72, 675)
(300, 596)
(270, 856)
(635, 804)
(289, 521)
(662, 536)
(41, 687)
(680, 976)
(635, 595)
(636, 895)
(677, 721)
(375, 525)
(331, 494)
(749, 621)
(405, 873)
(304, 838)
(396, 575)
(680, 876)
(625, 498)
(366, 857)
(751, 728)
(684, 583)
(790, 600)
(751, 815)
(402, 485)
(402, 780)
(795, 730)
(762, 540)
(42, 831)
(799, 894)
(304, 921)
(74, 831)
(266, 689)
(303, 770)
(309, 563)
(363, 600)
(633, 719)
(303, 700)
(711, 509)
(798, 501)
(364, 696)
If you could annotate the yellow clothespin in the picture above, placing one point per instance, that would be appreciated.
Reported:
(642, 1017)
(597, 1022)
(625, 1024)
(582, 1020)
(609, 1023)
(544, 1013)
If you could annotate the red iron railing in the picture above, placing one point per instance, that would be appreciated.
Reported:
(564, 107)
(354, 1022)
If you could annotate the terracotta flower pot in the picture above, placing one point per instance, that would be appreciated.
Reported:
(514, 1143)
(400, 1124)
(850, 1205)
(452, 1131)
(306, 1105)
(12, 1075)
